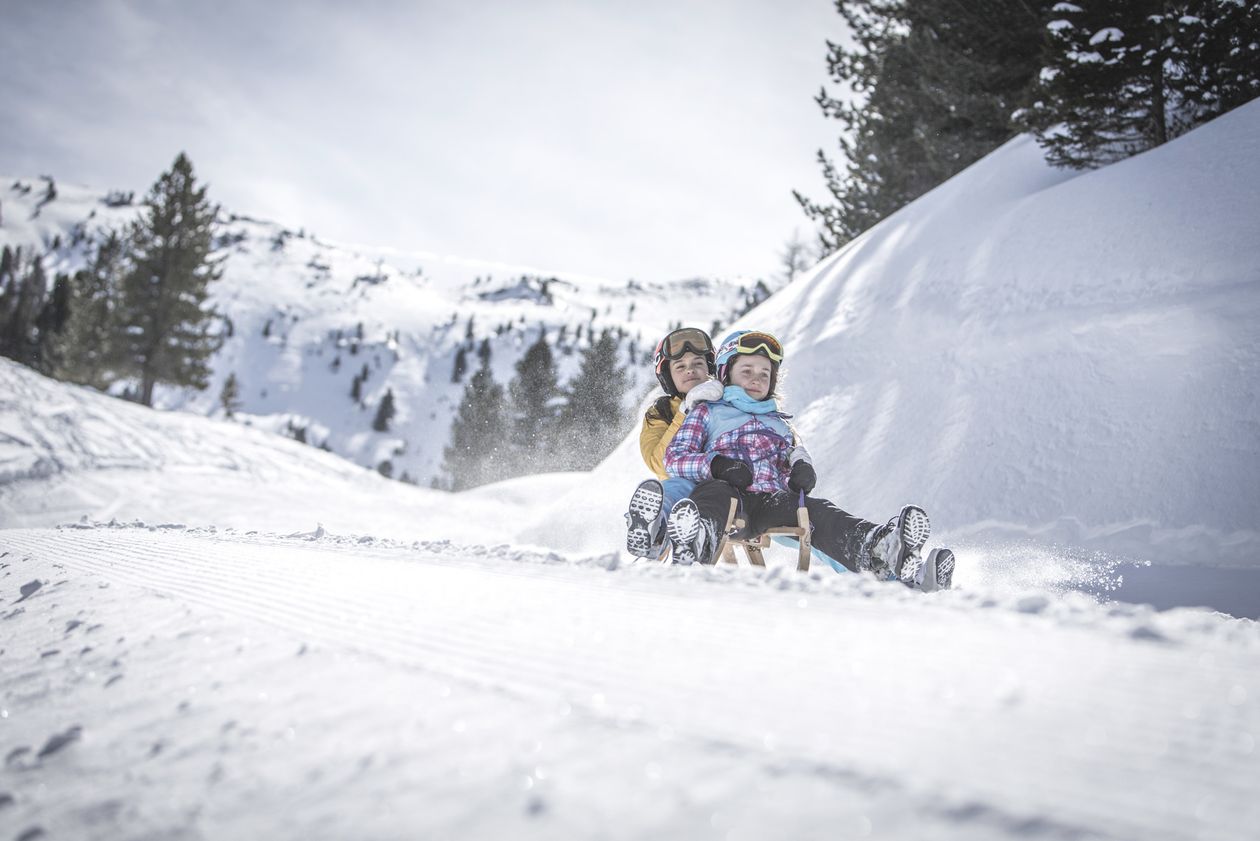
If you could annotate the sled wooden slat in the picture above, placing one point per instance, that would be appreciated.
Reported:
(753, 547)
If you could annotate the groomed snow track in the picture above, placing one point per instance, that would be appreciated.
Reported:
(194, 683)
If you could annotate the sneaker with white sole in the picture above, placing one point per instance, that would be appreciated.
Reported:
(644, 533)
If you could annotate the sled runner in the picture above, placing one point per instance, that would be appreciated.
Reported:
(753, 546)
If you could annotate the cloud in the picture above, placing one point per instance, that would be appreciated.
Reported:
(651, 140)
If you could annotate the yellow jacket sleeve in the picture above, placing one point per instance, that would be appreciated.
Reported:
(656, 434)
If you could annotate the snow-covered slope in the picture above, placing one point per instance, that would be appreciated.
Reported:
(68, 453)
(307, 316)
(1071, 358)
(194, 683)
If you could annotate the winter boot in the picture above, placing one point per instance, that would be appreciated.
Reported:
(689, 533)
(939, 574)
(893, 549)
(645, 533)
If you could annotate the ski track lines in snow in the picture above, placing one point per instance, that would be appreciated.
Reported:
(888, 711)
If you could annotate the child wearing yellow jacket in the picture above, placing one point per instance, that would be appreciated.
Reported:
(684, 362)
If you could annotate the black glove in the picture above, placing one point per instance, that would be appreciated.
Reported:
(732, 471)
(803, 477)
(665, 408)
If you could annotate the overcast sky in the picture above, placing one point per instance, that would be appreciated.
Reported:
(643, 139)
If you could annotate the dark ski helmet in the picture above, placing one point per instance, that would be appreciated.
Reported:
(749, 342)
(673, 346)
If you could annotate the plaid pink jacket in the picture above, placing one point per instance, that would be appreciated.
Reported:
(755, 442)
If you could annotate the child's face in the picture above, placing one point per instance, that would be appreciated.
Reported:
(752, 374)
(688, 371)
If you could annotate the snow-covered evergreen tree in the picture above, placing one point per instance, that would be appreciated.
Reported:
(384, 412)
(479, 435)
(794, 258)
(1128, 75)
(461, 365)
(1224, 38)
(230, 396)
(936, 83)
(534, 393)
(86, 348)
(7, 260)
(591, 421)
(23, 300)
(168, 334)
(50, 325)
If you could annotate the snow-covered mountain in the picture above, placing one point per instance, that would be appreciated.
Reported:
(68, 453)
(308, 316)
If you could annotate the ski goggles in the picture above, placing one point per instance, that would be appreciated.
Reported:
(763, 343)
(686, 340)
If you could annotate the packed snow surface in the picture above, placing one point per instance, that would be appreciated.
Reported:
(171, 682)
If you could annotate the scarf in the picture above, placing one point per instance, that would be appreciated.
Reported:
(741, 400)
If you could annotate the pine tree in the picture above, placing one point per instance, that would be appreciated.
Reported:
(461, 365)
(50, 326)
(534, 393)
(10, 341)
(85, 351)
(1223, 36)
(384, 412)
(1102, 96)
(1129, 75)
(794, 258)
(591, 422)
(19, 339)
(10, 284)
(476, 452)
(936, 81)
(168, 328)
(230, 396)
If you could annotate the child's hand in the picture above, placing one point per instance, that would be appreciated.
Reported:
(734, 472)
(665, 408)
(803, 477)
(703, 393)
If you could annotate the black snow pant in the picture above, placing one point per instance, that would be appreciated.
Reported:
(837, 533)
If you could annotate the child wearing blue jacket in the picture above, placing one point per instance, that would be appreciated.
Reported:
(741, 447)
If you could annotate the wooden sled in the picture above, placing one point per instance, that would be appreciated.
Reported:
(754, 546)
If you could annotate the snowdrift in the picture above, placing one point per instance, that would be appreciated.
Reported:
(1042, 357)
